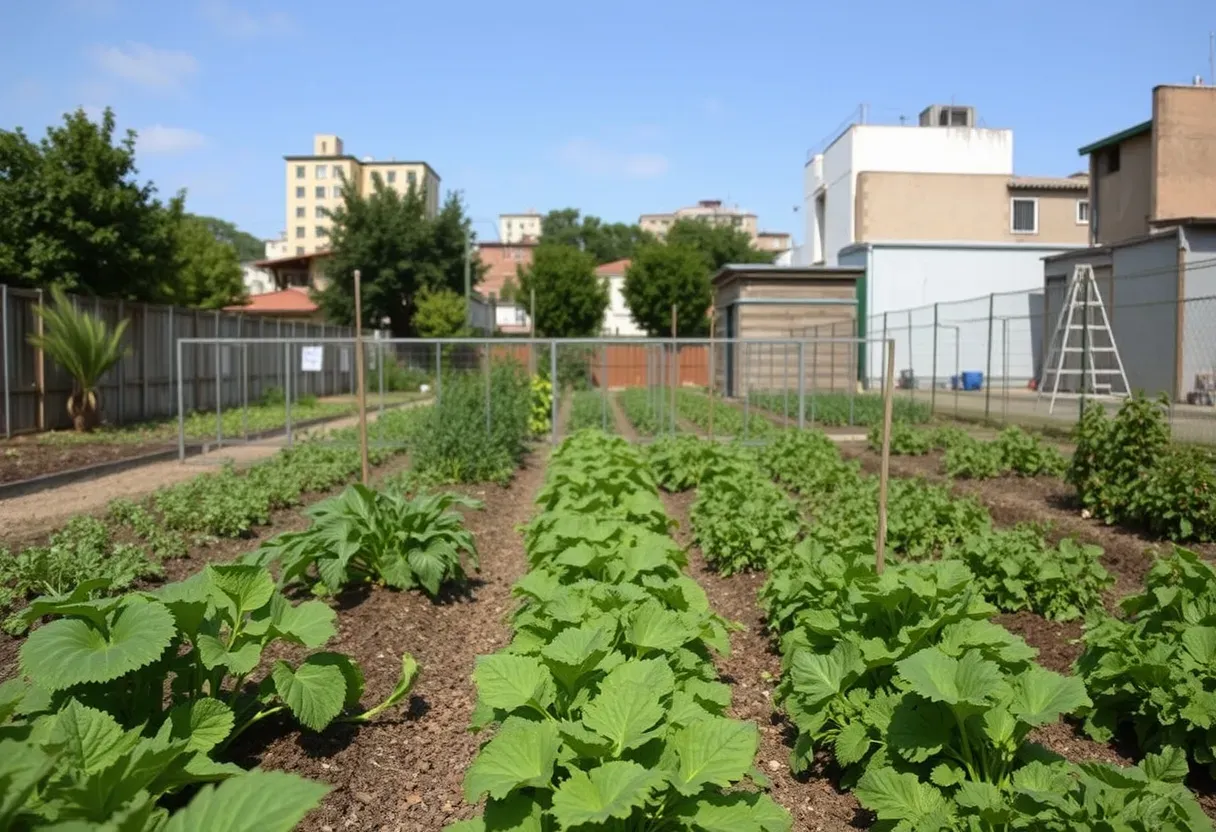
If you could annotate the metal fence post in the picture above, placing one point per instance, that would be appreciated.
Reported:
(814, 380)
(747, 392)
(8, 408)
(988, 370)
(556, 397)
(883, 364)
(438, 373)
(244, 378)
(219, 388)
(1005, 367)
(170, 351)
(911, 362)
(181, 402)
(801, 384)
(486, 362)
(933, 381)
(380, 369)
(854, 348)
(604, 387)
(287, 391)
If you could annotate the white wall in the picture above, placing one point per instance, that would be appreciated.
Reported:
(510, 314)
(884, 148)
(257, 281)
(617, 318)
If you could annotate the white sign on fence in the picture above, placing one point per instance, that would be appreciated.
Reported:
(311, 358)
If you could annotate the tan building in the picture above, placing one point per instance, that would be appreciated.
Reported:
(520, 228)
(315, 182)
(971, 207)
(774, 241)
(710, 210)
(1158, 174)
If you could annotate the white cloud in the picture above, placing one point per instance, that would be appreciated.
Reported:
(158, 69)
(241, 23)
(593, 158)
(168, 140)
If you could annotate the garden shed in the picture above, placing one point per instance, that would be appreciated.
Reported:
(759, 303)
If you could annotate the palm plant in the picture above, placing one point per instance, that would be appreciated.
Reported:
(82, 345)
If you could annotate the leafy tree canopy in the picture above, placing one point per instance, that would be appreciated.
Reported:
(400, 251)
(72, 213)
(440, 313)
(661, 275)
(209, 274)
(604, 241)
(570, 297)
(247, 246)
(717, 244)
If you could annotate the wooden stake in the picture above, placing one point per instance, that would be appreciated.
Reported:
(362, 395)
(675, 366)
(880, 544)
(712, 321)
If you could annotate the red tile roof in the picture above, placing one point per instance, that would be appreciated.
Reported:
(291, 301)
(615, 267)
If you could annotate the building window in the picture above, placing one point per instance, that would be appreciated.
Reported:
(1082, 212)
(1112, 160)
(322, 231)
(299, 250)
(376, 178)
(339, 172)
(321, 212)
(392, 176)
(300, 212)
(337, 191)
(320, 192)
(299, 232)
(300, 192)
(1024, 215)
(324, 147)
(322, 170)
(299, 171)
(412, 178)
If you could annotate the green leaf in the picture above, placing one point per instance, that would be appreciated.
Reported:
(852, 743)
(624, 713)
(315, 691)
(653, 674)
(244, 587)
(310, 623)
(983, 797)
(612, 790)
(715, 751)
(90, 738)
(203, 723)
(429, 566)
(260, 801)
(70, 652)
(521, 754)
(818, 677)
(734, 812)
(11, 694)
(1200, 642)
(898, 796)
(940, 678)
(655, 628)
(508, 682)
(1041, 696)
(214, 653)
(1170, 766)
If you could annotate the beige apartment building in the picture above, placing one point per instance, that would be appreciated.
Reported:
(315, 182)
(774, 241)
(520, 228)
(971, 207)
(710, 210)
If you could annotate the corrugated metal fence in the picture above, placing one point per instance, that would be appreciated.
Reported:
(143, 385)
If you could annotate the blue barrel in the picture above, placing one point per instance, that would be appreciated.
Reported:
(973, 379)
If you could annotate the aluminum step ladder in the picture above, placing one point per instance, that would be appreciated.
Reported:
(1090, 339)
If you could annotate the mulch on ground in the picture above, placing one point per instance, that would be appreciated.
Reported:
(404, 771)
(24, 457)
(752, 670)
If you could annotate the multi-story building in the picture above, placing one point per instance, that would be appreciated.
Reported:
(618, 320)
(315, 182)
(519, 228)
(709, 210)
(502, 261)
(1152, 192)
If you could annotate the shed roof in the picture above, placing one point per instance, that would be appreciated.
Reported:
(1117, 138)
(768, 271)
(291, 301)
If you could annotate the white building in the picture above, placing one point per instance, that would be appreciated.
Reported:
(519, 228)
(258, 281)
(277, 249)
(618, 320)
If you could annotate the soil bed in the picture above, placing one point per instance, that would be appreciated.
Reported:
(752, 670)
(25, 456)
(404, 771)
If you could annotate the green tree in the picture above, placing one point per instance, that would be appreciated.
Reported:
(660, 275)
(72, 213)
(247, 246)
(509, 291)
(604, 241)
(717, 244)
(208, 272)
(399, 250)
(439, 313)
(570, 297)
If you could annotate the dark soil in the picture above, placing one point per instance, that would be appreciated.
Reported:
(1058, 643)
(404, 772)
(752, 670)
(24, 457)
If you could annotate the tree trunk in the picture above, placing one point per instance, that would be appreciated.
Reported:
(84, 410)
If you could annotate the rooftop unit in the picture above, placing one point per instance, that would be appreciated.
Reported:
(947, 115)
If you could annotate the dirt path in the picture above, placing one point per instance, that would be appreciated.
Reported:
(624, 427)
(752, 670)
(37, 514)
(405, 771)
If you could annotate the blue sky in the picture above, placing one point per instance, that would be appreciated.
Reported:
(615, 108)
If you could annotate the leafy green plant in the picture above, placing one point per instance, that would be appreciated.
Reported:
(83, 550)
(1018, 570)
(1154, 670)
(85, 347)
(974, 459)
(163, 543)
(607, 707)
(729, 419)
(376, 536)
(906, 440)
(638, 404)
(682, 461)
(588, 409)
(541, 414)
(78, 768)
(1027, 455)
(742, 520)
(838, 409)
(202, 641)
(1176, 498)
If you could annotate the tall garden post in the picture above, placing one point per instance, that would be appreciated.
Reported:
(359, 369)
(988, 370)
(380, 370)
(8, 407)
(556, 397)
(712, 379)
(181, 407)
(244, 379)
(179, 368)
(438, 373)
(911, 363)
(814, 367)
(219, 388)
(747, 393)
(1005, 367)
(884, 336)
(801, 384)
(675, 367)
(287, 388)
(933, 381)
(485, 352)
(604, 387)
(880, 542)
